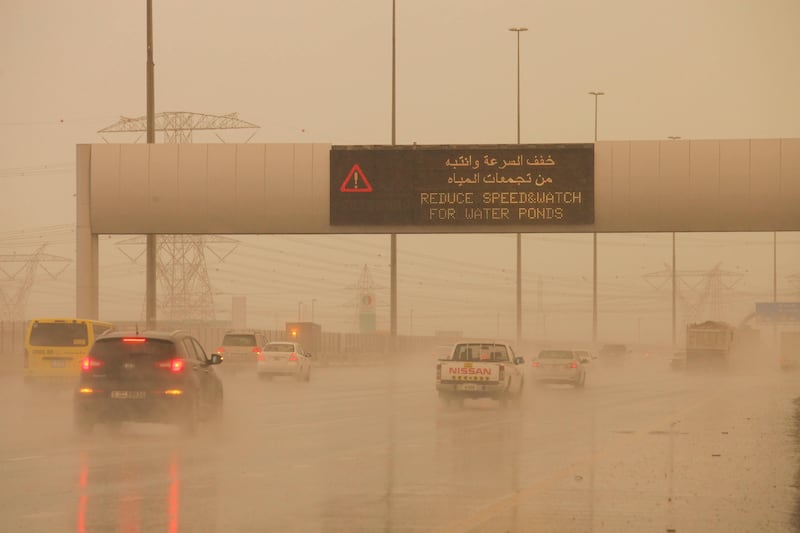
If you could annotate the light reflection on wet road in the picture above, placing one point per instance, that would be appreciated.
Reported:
(369, 449)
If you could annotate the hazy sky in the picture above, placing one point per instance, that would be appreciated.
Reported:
(320, 71)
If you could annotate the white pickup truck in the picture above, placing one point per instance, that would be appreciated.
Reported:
(480, 369)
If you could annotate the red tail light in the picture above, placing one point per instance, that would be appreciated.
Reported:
(535, 364)
(220, 350)
(261, 357)
(174, 365)
(573, 365)
(256, 349)
(89, 363)
(129, 340)
(293, 357)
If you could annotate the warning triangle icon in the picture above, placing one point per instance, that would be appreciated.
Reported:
(356, 181)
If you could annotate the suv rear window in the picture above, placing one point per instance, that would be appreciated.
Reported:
(239, 340)
(156, 348)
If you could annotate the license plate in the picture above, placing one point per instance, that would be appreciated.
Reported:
(468, 386)
(57, 364)
(128, 395)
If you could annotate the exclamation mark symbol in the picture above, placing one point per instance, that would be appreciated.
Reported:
(355, 180)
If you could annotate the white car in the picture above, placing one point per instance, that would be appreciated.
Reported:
(284, 359)
(560, 366)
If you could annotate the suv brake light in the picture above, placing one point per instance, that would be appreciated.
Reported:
(220, 350)
(256, 350)
(293, 357)
(88, 363)
(174, 365)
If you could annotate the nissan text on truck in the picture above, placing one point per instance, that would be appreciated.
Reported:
(474, 369)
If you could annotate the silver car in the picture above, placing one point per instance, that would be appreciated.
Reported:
(240, 348)
(560, 366)
(284, 359)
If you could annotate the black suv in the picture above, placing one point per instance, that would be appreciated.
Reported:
(147, 377)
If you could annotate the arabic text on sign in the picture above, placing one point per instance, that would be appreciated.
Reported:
(466, 161)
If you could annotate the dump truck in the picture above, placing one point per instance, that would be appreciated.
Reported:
(708, 345)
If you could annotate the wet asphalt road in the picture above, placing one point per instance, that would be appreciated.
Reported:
(641, 448)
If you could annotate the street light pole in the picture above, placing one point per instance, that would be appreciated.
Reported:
(393, 236)
(151, 246)
(518, 30)
(594, 238)
(595, 94)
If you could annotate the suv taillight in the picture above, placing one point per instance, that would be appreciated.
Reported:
(293, 357)
(174, 365)
(89, 363)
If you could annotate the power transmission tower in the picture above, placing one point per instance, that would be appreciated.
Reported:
(185, 291)
(183, 301)
(179, 126)
(21, 279)
(699, 291)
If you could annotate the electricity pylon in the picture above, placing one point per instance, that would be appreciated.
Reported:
(699, 291)
(21, 279)
(179, 126)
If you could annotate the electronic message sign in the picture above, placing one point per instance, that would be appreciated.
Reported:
(462, 185)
